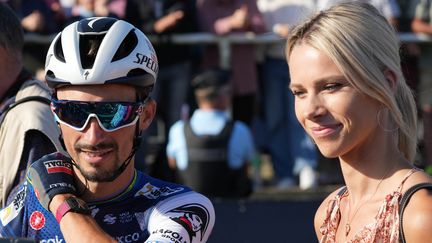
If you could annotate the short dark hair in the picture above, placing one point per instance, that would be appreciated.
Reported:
(208, 84)
(11, 32)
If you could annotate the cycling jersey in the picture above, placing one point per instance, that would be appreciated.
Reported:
(149, 210)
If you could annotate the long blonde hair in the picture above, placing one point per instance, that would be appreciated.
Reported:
(364, 46)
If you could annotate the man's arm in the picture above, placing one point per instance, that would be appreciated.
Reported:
(420, 26)
(421, 21)
(188, 217)
(36, 145)
(77, 227)
(52, 191)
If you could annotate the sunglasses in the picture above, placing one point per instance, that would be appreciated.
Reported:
(111, 116)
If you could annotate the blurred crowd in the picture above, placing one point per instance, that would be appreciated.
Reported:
(259, 73)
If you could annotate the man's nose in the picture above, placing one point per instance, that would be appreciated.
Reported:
(93, 132)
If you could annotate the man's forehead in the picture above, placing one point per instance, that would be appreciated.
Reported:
(106, 92)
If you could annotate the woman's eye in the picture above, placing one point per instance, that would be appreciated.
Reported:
(297, 92)
(333, 86)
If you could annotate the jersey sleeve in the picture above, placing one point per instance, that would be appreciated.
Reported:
(12, 216)
(186, 218)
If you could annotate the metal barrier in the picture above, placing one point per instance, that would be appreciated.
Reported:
(224, 42)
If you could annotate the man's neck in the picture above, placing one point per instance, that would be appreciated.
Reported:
(211, 106)
(99, 191)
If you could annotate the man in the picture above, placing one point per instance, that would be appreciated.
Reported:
(164, 18)
(224, 17)
(211, 152)
(422, 23)
(27, 127)
(102, 71)
(277, 131)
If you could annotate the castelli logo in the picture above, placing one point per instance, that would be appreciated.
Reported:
(37, 220)
(37, 193)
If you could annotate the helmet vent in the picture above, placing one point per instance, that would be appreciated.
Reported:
(136, 72)
(89, 47)
(126, 47)
(58, 50)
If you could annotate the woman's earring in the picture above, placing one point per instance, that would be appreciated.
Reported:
(381, 124)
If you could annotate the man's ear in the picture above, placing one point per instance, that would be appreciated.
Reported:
(391, 79)
(148, 113)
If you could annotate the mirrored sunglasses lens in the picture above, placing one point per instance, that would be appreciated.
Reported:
(72, 113)
(113, 116)
(110, 115)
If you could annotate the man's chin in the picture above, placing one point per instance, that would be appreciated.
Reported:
(98, 174)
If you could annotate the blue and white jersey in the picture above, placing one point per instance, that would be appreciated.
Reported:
(149, 210)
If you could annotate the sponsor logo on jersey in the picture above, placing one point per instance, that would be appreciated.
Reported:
(10, 212)
(59, 184)
(19, 199)
(193, 217)
(172, 236)
(7, 214)
(142, 221)
(54, 166)
(129, 238)
(54, 240)
(94, 210)
(37, 220)
(110, 219)
(153, 192)
(125, 217)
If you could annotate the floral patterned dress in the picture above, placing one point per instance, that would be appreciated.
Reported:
(384, 228)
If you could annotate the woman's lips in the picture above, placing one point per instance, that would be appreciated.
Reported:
(321, 131)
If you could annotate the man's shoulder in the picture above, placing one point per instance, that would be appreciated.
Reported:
(33, 87)
(241, 128)
(177, 126)
(192, 211)
(25, 217)
(156, 189)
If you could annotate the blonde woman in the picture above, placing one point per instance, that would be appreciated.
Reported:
(352, 99)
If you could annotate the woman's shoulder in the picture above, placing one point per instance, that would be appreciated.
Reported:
(417, 215)
(321, 214)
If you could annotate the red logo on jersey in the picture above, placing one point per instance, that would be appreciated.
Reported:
(55, 166)
(37, 220)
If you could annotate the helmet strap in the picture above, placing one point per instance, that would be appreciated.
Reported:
(136, 143)
(61, 140)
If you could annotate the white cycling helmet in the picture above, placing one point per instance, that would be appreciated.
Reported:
(123, 54)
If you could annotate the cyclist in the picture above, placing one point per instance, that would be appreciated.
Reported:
(102, 71)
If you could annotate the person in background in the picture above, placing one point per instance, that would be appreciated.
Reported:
(163, 18)
(102, 71)
(36, 18)
(422, 23)
(223, 17)
(355, 104)
(90, 8)
(27, 127)
(291, 150)
(388, 8)
(212, 152)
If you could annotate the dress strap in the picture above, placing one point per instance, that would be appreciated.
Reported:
(342, 191)
(410, 172)
(404, 202)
